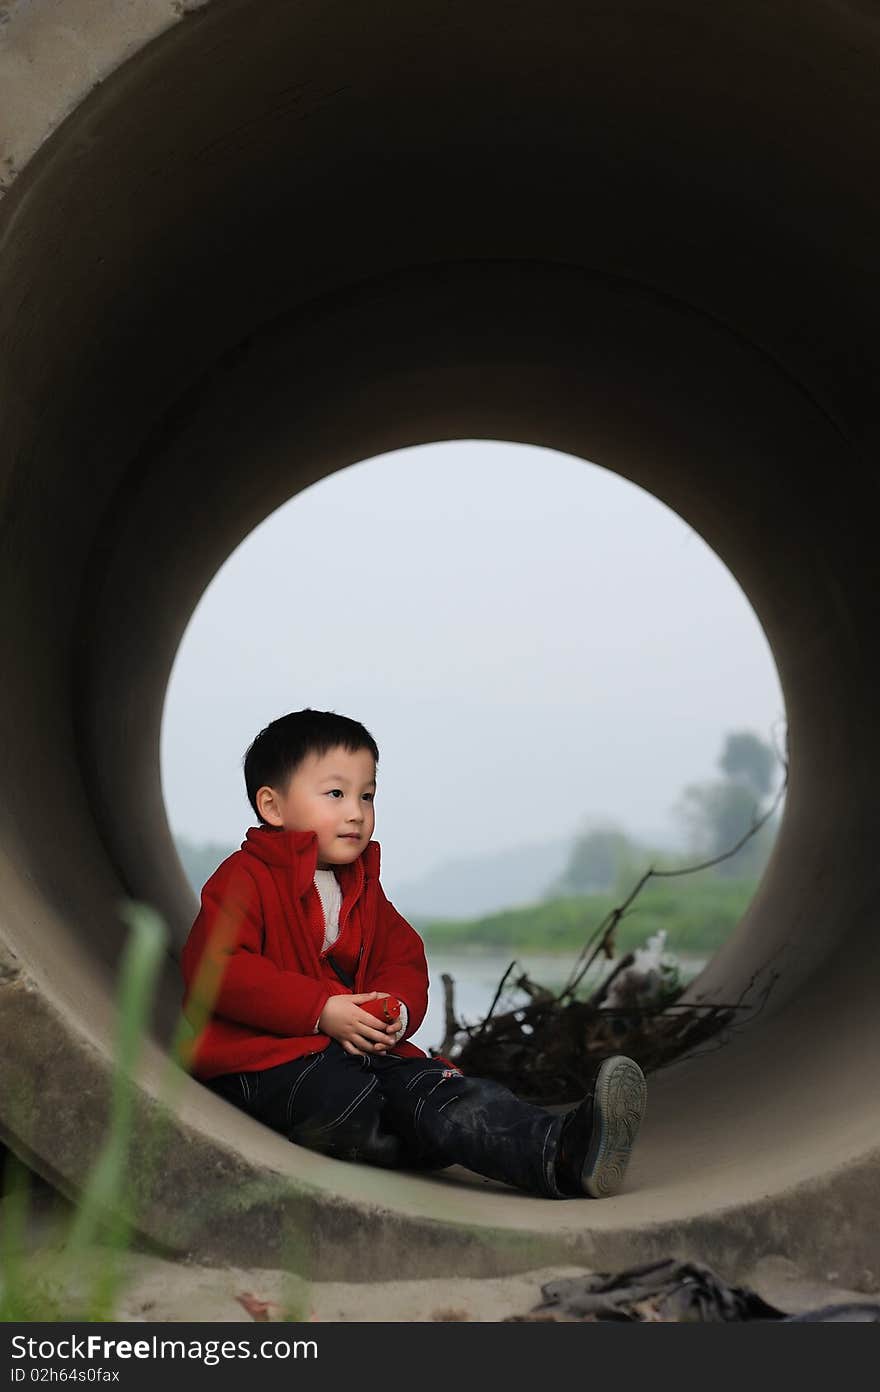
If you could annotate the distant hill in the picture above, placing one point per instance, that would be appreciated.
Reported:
(463, 888)
(470, 886)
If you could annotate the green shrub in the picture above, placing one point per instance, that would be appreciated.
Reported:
(698, 913)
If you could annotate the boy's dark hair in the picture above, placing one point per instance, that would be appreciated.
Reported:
(278, 751)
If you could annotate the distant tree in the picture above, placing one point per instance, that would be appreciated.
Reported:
(594, 863)
(719, 814)
(746, 759)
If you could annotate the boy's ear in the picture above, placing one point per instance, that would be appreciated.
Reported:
(267, 805)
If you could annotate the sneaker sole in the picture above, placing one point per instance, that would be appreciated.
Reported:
(618, 1107)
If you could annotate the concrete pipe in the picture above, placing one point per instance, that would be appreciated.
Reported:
(246, 244)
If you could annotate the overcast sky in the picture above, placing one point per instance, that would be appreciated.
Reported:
(533, 642)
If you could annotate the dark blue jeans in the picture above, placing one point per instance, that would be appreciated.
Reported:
(403, 1113)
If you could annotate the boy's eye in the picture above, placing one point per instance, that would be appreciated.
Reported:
(331, 792)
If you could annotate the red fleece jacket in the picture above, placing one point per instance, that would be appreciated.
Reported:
(253, 957)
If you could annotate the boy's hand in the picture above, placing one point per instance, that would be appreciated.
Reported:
(394, 1028)
(357, 1031)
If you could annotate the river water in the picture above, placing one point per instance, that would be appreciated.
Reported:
(476, 977)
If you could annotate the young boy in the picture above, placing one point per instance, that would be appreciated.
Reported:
(295, 935)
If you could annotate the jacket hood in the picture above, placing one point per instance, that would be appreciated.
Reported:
(297, 852)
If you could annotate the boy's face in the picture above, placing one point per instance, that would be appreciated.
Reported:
(331, 794)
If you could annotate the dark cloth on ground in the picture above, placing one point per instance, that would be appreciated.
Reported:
(673, 1291)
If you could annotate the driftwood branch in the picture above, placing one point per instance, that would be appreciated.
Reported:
(496, 997)
(534, 992)
(451, 1025)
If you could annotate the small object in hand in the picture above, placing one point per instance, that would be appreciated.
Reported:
(386, 1008)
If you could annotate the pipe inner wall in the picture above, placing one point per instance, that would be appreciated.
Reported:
(245, 245)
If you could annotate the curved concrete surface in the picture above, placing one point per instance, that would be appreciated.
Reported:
(247, 243)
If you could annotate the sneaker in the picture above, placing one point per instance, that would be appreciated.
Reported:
(598, 1135)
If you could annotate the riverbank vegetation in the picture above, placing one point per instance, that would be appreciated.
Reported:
(698, 913)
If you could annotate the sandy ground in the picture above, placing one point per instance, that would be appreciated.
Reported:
(159, 1287)
(154, 1289)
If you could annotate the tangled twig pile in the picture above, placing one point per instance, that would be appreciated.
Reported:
(547, 1049)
